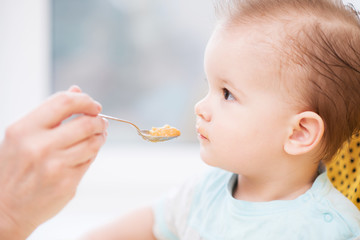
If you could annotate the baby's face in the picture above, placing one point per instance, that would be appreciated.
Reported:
(242, 121)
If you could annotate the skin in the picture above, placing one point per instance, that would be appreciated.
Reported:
(42, 160)
(246, 125)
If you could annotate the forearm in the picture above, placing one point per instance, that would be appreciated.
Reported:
(136, 225)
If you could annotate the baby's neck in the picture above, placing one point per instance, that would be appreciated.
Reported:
(279, 187)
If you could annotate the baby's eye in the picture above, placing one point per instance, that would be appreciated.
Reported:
(228, 95)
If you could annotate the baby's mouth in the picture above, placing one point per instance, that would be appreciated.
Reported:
(201, 134)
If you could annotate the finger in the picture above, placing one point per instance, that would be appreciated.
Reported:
(59, 107)
(83, 167)
(77, 172)
(74, 88)
(77, 130)
(88, 149)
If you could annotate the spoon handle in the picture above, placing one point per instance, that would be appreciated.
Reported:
(118, 119)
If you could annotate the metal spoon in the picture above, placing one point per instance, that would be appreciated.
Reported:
(145, 134)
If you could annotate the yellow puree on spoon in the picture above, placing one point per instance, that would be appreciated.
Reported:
(165, 131)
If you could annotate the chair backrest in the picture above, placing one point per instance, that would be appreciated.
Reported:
(344, 170)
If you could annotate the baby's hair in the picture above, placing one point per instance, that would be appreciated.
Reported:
(319, 47)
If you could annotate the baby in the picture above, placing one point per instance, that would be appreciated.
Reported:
(284, 94)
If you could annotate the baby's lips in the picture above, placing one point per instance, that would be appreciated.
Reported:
(201, 132)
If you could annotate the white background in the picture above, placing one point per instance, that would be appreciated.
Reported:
(24, 57)
(123, 177)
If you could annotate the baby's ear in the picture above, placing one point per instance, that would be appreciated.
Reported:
(305, 133)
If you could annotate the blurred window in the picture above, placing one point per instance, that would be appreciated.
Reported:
(141, 59)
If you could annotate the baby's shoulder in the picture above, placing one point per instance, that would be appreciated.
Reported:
(332, 213)
(343, 210)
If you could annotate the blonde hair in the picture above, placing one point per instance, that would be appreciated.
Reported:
(320, 43)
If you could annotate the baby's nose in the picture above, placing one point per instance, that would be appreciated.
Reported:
(202, 110)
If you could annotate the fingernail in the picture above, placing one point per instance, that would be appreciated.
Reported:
(99, 107)
(74, 88)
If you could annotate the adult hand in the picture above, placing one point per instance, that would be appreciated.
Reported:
(42, 160)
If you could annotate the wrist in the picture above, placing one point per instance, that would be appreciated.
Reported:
(10, 229)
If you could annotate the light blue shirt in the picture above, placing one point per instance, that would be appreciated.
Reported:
(205, 209)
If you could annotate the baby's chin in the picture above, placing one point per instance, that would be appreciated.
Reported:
(209, 158)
